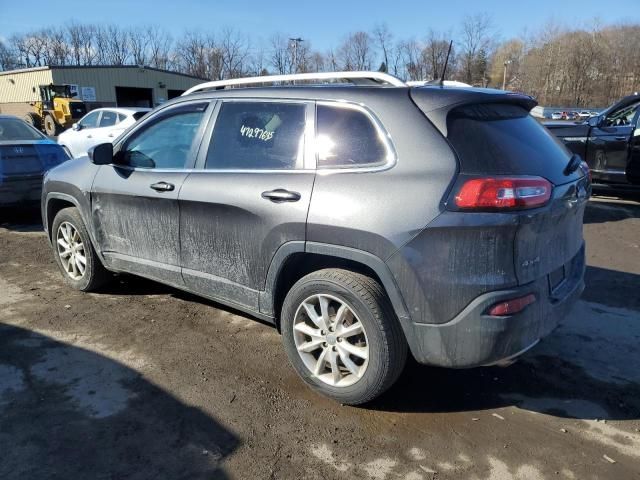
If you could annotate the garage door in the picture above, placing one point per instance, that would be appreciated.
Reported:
(134, 97)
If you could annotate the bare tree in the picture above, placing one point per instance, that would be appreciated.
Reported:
(281, 54)
(159, 47)
(357, 51)
(384, 40)
(476, 42)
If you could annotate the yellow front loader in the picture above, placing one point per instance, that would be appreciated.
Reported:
(56, 110)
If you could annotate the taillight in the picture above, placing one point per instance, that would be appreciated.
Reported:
(503, 193)
(511, 307)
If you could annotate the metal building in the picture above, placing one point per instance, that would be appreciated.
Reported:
(96, 86)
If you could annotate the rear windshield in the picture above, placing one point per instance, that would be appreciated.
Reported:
(139, 115)
(503, 139)
(13, 129)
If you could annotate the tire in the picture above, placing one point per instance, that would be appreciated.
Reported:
(382, 338)
(51, 128)
(94, 274)
(33, 120)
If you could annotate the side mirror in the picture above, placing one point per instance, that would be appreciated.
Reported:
(76, 126)
(594, 121)
(101, 154)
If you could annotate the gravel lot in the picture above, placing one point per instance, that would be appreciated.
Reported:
(142, 381)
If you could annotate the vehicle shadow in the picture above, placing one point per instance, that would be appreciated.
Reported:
(612, 288)
(69, 412)
(589, 368)
(24, 220)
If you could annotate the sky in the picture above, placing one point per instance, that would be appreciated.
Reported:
(324, 22)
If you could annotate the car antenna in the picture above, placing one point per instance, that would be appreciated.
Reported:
(446, 63)
(440, 81)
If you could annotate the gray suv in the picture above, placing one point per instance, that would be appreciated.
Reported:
(365, 221)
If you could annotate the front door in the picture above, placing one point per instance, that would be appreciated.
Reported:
(249, 196)
(135, 200)
(609, 144)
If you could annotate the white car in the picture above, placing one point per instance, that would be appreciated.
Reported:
(556, 116)
(101, 125)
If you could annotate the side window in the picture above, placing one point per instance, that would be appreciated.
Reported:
(121, 117)
(621, 118)
(90, 120)
(108, 118)
(346, 137)
(166, 141)
(258, 135)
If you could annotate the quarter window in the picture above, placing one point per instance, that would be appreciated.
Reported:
(346, 137)
(258, 135)
(165, 142)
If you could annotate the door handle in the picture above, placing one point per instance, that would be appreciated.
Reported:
(89, 136)
(162, 186)
(621, 137)
(280, 195)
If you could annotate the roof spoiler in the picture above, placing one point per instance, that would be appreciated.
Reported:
(436, 104)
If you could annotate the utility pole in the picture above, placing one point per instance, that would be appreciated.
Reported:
(504, 77)
(295, 43)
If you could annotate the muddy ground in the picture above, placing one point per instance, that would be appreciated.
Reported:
(141, 381)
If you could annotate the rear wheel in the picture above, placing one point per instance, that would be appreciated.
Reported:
(51, 128)
(74, 253)
(341, 335)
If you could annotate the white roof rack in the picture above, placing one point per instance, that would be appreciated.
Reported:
(366, 78)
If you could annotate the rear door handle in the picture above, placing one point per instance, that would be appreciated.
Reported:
(280, 195)
(621, 138)
(162, 186)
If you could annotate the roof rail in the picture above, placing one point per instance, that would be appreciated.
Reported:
(358, 78)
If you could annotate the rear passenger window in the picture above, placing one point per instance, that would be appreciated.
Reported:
(346, 137)
(257, 136)
(108, 118)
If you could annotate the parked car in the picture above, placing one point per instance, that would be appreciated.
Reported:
(364, 222)
(99, 126)
(25, 154)
(584, 114)
(609, 142)
(556, 115)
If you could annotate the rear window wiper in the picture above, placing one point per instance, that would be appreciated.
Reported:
(573, 165)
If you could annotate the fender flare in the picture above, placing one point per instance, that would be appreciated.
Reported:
(71, 199)
(267, 296)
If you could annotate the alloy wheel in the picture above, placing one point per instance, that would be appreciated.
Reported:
(331, 340)
(71, 250)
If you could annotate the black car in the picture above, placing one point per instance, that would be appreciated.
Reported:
(364, 221)
(25, 155)
(609, 142)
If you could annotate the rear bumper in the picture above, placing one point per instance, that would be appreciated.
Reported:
(19, 191)
(475, 339)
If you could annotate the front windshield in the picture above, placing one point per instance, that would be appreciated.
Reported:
(13, 129)
(61, 91)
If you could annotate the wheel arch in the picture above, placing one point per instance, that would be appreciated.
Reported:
(297, 259)
(58, 201)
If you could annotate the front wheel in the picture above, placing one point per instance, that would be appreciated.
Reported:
(341, 335)
(74, 253)
(50, 126)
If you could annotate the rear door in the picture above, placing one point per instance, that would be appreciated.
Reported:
(135, 200)
(633, 167)
(249, 196)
